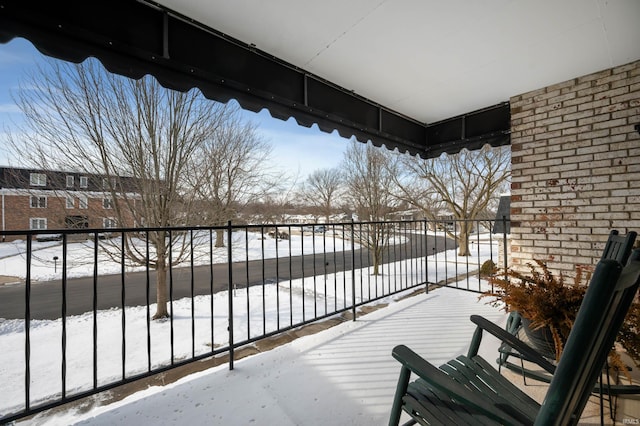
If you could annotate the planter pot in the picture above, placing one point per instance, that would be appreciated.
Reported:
(541, 339)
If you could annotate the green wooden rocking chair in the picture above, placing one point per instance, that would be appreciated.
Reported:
(468, 390)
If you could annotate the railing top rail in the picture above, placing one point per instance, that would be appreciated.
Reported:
(142, 229)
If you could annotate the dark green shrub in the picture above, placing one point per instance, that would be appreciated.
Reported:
(488, 268)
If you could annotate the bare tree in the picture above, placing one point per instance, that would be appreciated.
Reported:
(368, 173)
(465, 185)
(230, 169)
(321, 190)
(277, 205)
(81, 118)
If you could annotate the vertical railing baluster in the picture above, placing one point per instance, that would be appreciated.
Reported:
(361, 267)
(335, 274)
(353, 272)
(304, 312)
(364, 264)
(94, 306)
(193, 302)
(64, 316)
(372, 258)
(147, 293)
(246, 242)
(435, 249)
(264, 308)
(446, 257)
(414, 254)
(361, 263)
(406, 259)
(376, 228)
(171, 330)
(408, 267)
(388, 264)
(384, 273)
(264, 278)
(315, 273)
(324, 266)
(291, 279)
(425, 252)
(400, 261)
(468, 227)
(27, 326)
(211, 289)
(122, 301)
(396, 258)
(456, 234)
(230, 296)
(479, 259)
(344, 265)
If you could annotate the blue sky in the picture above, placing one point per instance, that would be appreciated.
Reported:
(296, 149)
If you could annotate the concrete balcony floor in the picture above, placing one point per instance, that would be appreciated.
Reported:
(344, 375)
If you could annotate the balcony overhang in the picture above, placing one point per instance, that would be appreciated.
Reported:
(134, 39)
(421, 77)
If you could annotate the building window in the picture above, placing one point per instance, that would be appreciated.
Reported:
(37, 179)
(109, 222)
(84, 182)
(107, 203)
(70, 181)
(37, 223)
(38, 202)
(83, 202)
(70, 202)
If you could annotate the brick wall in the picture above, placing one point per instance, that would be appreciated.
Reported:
(576, 167)
(17, 212)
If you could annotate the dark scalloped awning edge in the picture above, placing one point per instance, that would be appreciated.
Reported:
(136, 39)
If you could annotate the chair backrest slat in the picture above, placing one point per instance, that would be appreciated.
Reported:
(618, 247)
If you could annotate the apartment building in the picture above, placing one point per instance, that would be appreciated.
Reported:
(33, 199)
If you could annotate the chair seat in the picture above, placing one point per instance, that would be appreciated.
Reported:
(430, 406)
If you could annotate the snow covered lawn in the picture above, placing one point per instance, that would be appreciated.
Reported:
(341, 376)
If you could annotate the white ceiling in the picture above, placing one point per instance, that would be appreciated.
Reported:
(431, 59)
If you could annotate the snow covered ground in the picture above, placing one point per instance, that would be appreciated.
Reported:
(341, 376)
(263, 309)
(246, 246)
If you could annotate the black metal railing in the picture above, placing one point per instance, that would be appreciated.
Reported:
(77, 318)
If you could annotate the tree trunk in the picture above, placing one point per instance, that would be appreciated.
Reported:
(219, 237)
(463, 239)
(376, 270)
(377, 259)
(161, 289)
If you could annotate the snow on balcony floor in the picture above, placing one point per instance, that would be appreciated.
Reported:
(344, 375)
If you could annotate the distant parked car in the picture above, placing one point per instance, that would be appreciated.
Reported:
(280, 235)
(48, 237)
(319, 229)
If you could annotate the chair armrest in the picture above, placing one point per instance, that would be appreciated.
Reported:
(527, 351)
(446, 384)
